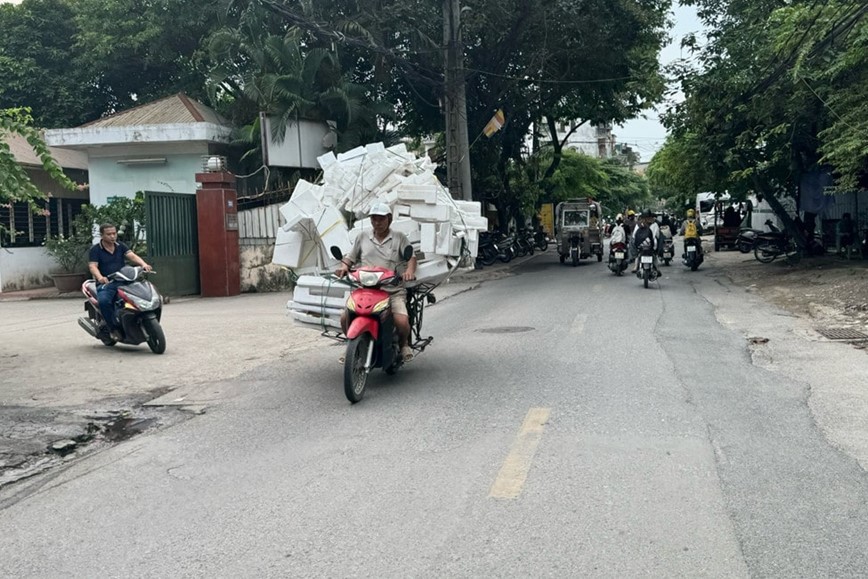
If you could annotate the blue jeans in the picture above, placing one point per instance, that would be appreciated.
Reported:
(106, 295)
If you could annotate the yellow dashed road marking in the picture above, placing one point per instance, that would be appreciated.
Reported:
(513, 473)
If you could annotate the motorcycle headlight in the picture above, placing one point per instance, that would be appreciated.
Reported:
(145, 305)
(381, 306)
(351, 304)
(369, 278)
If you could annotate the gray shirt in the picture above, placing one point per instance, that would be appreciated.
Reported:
(368, 251)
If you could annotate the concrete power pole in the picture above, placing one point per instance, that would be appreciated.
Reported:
(457, 142)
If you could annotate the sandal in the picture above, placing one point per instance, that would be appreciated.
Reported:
(407, 353)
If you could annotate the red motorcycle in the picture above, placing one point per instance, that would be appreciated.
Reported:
(372, 339)
(618, 257)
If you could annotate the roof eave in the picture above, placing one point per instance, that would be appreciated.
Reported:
(84, 137)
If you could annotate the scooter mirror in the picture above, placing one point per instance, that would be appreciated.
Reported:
(407, 253)
(336, 252)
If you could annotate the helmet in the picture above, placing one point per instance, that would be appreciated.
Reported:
(647, 213)
(691, 213)
(630, 212)
(619, 217)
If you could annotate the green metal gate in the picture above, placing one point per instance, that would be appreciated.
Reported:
(173, 241)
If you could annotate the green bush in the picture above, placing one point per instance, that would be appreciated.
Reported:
(70, 252)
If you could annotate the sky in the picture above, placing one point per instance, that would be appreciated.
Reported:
(646, 136)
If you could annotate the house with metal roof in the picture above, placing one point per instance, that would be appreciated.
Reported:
(158, 146)
(24, 264)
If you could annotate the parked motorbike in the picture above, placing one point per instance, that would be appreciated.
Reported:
(488, 251)
(772, 244)
(505, 243)
(371, 338)
(647, 270)
(138, 310)
(693, 254)
(527, 240)
(618, 258)
(747, 239)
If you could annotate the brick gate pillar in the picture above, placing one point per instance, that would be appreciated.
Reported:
(219, 253)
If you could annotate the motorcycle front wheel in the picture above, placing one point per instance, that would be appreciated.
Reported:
(489, 257)
(155, 334)
(543, 244)
(744, 246)
(575, 257)
(355, 374)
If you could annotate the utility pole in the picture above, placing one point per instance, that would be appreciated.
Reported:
(457, 142)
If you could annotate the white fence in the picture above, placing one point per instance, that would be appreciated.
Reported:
(259, 225)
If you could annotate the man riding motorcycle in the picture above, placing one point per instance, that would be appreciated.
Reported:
(383, 247)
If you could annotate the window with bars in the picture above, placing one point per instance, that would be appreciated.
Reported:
(23, 226)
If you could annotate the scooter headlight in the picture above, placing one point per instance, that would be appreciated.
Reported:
(351, 304)
(381, 306)
(369, 278)
(143, 304)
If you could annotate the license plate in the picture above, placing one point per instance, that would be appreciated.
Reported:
(647, 259)
(691, 249)
(619, 255)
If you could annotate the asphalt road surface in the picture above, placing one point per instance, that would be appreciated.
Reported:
(565, 422)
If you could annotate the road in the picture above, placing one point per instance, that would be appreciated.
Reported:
(565, 422)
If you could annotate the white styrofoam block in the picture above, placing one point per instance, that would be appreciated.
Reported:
(288, 254)
(408, 227)
(472, 208)
(317, 309)
(372, 148)
(467, 223)
(417, 194)
(473, 246)
(304, 295)
(326, 160)
(400, 210)
(400, 149)
(429, 213)
(351, 156)
(305, 202)
(314, 322)
(428, 237)
(432, 268)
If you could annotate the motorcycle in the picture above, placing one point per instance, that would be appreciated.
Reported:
(647, 271)
(540, 240)
(618, 258)
(371, 338)
(772, 244)
(488, 251)
(747, 239)
(693, 254)
(138, 309)
(668, 245)
(505, 246)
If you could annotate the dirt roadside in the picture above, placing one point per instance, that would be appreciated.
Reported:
(830, 291)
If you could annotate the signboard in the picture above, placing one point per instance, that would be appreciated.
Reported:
(547, 218)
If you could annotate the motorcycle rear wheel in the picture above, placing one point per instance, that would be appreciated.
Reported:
(575, 257)
(761, 255)
(488, 258)
(646, 273)
(543, 244)
(355, 375)
(155, 334)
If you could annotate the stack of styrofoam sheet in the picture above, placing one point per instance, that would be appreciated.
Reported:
(441, 229)
(317, 302)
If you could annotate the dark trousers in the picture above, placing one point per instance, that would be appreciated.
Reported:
(106, 295)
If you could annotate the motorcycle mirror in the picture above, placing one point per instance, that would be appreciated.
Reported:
(336, 252)
(407, 253)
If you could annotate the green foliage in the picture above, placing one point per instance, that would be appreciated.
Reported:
(70, 252)
(128, 215)
(15, 184)
(781, 90)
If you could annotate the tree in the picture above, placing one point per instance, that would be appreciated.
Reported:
(15, 185)
(39, 64)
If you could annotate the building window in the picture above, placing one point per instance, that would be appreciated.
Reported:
(25, 226)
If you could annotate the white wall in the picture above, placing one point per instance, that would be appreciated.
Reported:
(108, 178)
(25, 268)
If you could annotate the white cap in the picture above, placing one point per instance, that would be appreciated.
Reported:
(380, 208)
